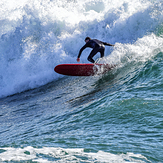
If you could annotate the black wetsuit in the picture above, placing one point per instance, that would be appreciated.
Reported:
(98, 46)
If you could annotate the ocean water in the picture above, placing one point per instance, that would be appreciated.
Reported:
(46, 117)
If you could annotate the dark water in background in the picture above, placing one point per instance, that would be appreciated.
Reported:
(117, 117)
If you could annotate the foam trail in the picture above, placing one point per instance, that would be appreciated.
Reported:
(66, 155)
(37, 35)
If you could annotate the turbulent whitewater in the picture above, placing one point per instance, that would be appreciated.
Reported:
(37, 35)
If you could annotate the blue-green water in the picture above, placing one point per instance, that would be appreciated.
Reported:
(110, 118)
(116, 117)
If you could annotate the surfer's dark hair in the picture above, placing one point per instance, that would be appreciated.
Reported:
(87, 38)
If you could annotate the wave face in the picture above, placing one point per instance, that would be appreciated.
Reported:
(37, 35)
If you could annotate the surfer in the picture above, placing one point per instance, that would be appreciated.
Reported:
(98, 46)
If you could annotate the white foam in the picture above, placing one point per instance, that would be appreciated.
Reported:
(141, 51)
(66, 155)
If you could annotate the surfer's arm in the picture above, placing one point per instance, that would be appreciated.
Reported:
(105, 43)
(82, 50)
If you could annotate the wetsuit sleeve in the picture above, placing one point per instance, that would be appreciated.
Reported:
(105, 43)
(85, 46)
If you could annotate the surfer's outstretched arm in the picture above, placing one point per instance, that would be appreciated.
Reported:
(105, 43)
(78, 58)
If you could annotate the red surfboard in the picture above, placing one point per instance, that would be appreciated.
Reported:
(83, 69)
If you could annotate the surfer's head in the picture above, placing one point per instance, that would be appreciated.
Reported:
(87, 39)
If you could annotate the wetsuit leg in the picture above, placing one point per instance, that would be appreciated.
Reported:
(102, 50)
(92, 54)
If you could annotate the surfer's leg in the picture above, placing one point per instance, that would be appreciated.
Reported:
(102, 50)
(92, 54)
(91, 60)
